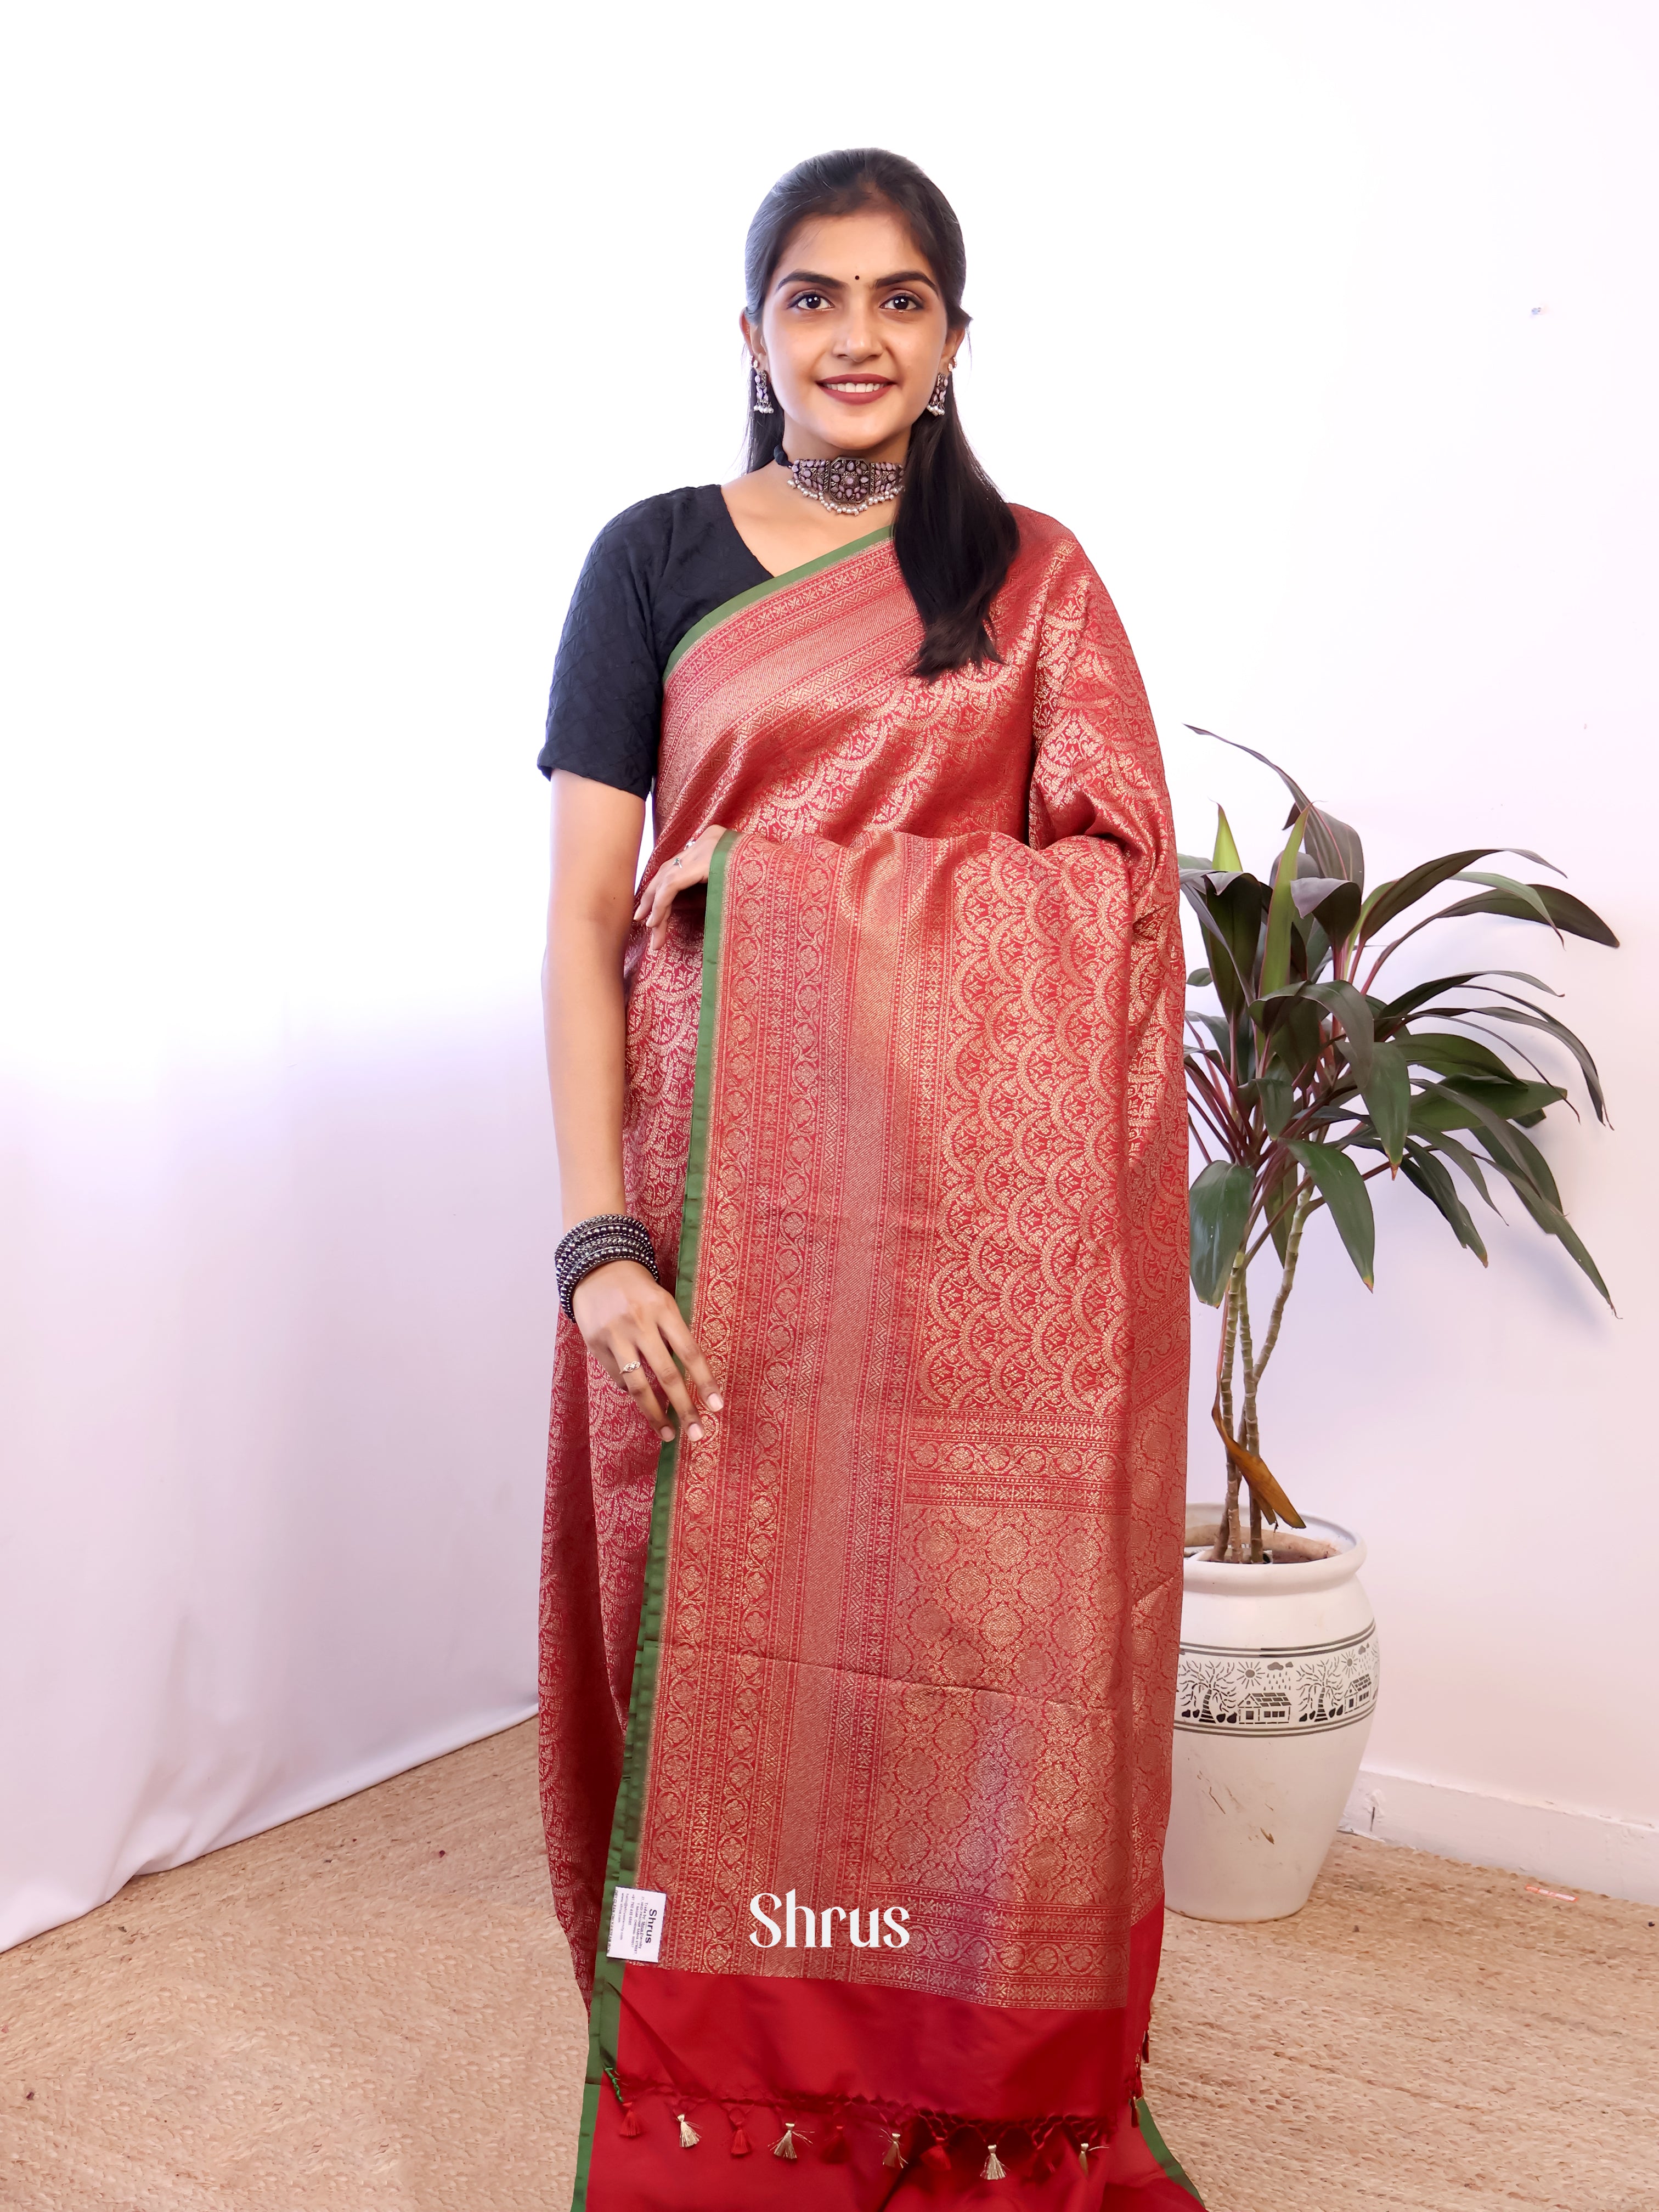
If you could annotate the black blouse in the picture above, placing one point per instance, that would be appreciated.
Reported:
(655, 570)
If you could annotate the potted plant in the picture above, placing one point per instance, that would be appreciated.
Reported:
(1312, 1073)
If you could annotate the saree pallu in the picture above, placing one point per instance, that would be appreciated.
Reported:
(885, 1664)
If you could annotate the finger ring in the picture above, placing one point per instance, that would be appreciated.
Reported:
(632, 1368)
(675, 862)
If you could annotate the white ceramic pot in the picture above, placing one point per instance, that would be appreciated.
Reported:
(1277, 1687)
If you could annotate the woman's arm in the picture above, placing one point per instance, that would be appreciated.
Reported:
(623, 1316)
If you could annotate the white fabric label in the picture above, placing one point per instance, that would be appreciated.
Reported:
(636, 1918)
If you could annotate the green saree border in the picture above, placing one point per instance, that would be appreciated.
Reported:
(1161, 2151)
(757, 593)
(622, 1861)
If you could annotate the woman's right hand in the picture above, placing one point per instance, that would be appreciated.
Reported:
(688, 867)
(635, 1329)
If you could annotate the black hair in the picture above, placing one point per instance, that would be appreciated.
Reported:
(956, 535)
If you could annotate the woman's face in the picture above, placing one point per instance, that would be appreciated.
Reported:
(852, 334)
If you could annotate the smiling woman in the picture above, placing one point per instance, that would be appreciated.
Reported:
(857, 333)
(863, 1551)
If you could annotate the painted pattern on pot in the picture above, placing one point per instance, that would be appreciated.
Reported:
(1297, 1691)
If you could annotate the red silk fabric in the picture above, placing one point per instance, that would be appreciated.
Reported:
(821, 2057)
(922, 1589)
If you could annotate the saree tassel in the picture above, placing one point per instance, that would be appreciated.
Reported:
(894, 2156)
(994, 2169)
(688, 2136)
(740, 2142)
(785, 2145)
(1083, 2151)
(629, 2122)
(836, 2150)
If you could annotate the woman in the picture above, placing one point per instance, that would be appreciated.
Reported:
(862, 1571)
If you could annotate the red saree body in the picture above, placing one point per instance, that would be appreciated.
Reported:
(905, 1112)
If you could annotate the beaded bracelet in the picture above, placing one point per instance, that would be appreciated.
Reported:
(594, 1243)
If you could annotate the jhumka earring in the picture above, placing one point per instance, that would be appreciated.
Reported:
(761, 402)
(941, 385)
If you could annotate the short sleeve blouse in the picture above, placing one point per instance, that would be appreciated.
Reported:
(652, 573)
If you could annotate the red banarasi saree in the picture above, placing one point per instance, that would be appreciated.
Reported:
(870, 1692)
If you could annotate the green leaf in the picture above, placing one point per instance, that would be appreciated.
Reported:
(1536, 1166)
(1302, 966)
(1455, 1104)
(1338, 912)
(1291, 1020)
(1391, 900)
(1565, 912)
(1387, 1093)
(1352, 1009)
(1278, 1097)
(1200, 979)
(1341, 1186)
(1409, 1002)
(1333, 847)
(1223, 968)
(1534, 1017)
(1309, 892)
(1276, 953)
(1231, 922)
(1444, 1053)
(1522, 1103)
(1512, 887)
(1319, 949)
(1279, 1009)
(1461, 1157)
(1525, 1015)
(1421, 1168)
(1226, 851)
(1297, 1039)
(1503, 1140)
(1219, 1203)
(1289, 781)
(1218, 1030)
(1192, 864)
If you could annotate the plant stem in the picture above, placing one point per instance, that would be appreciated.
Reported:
(1250, 1440)
(1255, 1364)
(1229, 1336)
(1227, 1536)
(1292, 1251)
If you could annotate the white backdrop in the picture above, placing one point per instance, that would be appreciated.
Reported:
(1330, 330)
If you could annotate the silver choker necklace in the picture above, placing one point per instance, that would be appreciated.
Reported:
(845, 484)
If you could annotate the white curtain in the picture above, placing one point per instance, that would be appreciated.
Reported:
(275, 1357)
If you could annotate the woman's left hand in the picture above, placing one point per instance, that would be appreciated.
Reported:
(689, 865)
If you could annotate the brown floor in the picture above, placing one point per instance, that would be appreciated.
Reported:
(371, 2008)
